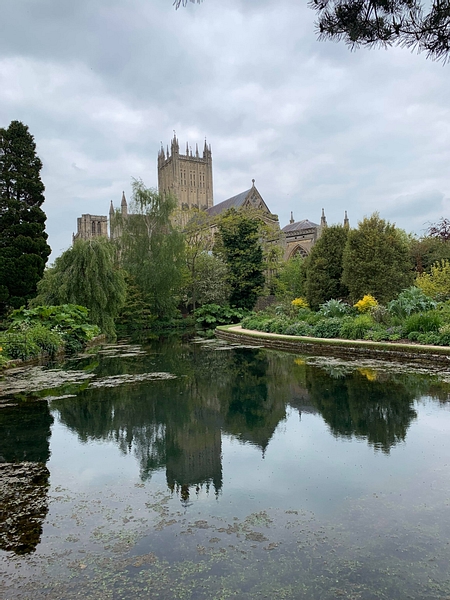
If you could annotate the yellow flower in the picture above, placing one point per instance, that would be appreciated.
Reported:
(366, 303)
(369, 374)
(300, 303)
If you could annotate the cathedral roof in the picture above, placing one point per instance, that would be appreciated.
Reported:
(299, 226)
(234, 202)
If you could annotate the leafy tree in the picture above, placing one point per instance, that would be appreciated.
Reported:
(86, 274)
(211, 280)
(376, 260)
(238, 244)
(436, 284)
(198, 243)
(291, 276)
(151, 250)
(427, 251)
(324, 267)
(23, 242)
(383, 23)
(440, 230)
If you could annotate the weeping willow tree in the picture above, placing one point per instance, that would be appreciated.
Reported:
(151, 249)
(86, 274)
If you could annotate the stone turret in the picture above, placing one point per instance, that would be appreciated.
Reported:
(124, 206)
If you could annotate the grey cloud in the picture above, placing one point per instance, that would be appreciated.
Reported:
(102, 83)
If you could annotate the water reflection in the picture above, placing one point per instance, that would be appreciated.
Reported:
(361, 404)
(24, 478)
(177, 424)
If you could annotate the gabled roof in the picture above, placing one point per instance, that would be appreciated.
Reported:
(234, 202)
(299, 226)
(252, 196)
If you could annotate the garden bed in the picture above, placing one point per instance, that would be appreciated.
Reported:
(400, 351)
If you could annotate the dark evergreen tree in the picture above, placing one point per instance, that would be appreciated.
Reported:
(410, 23)
(424, 27)
(324, 267)
(376, 260)
(239, 244)
(23, 242)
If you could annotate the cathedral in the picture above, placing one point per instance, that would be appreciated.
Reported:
(189, 178)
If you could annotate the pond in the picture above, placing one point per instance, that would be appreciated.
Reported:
(194, 469)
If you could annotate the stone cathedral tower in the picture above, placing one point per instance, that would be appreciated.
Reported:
(187, 176)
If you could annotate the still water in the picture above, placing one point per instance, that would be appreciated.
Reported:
(198, 470)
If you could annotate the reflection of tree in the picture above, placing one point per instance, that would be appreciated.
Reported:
(378, 409)
(23, 505)
(24, 450)
(25, 432)
(251, 413)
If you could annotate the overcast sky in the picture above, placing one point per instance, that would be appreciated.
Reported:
(101, 83)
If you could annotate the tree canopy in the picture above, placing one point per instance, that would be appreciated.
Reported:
(151, 250)
(86, 274)
(376, 260)
(324, 267)
(23, 242)
(239, 245)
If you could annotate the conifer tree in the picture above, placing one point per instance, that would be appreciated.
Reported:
(324, 267)
(239, 245)
(23, 242)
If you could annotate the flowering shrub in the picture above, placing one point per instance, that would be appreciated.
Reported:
(365, 304)
(300, 303)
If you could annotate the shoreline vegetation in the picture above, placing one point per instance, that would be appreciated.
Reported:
(44, 333)
(335, 346)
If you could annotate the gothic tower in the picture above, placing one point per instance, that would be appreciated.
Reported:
(187, 176)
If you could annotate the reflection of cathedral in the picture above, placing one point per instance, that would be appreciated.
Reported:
(194, 457)
(189, 178)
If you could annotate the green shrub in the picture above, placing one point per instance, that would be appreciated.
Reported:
(377, 334)
(444, 333)
(279, 325)
(356, 328)
(328, 328)
(299, 328)
(335, 308)
(211, 315)
(429, 338)
(423, 322)
(312, 318)
(409, 301)
(380, 314)
(47, 340)
(413, 336)
(19, 344)
(395, 333)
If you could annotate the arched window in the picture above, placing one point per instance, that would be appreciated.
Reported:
(93, 227)
(299, 250)
(99, 228)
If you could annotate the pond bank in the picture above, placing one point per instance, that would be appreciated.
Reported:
(336, 347)
(44, 357)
